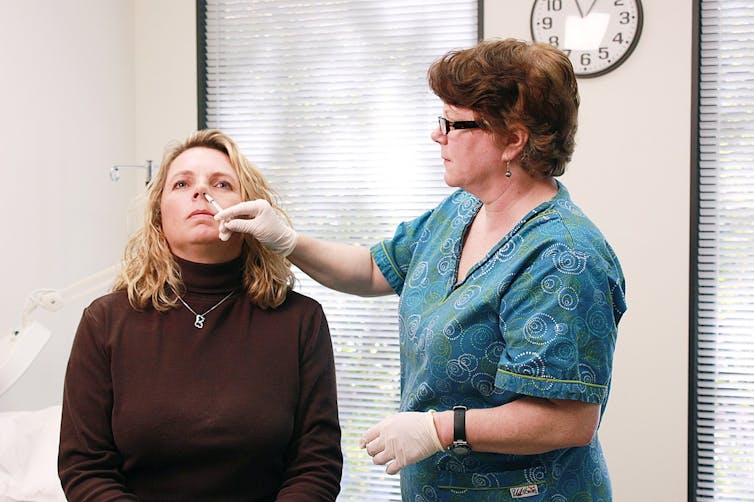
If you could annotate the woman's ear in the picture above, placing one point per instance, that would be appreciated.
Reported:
(515, 141)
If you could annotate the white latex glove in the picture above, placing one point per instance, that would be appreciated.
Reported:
(258, 219)
(402, 439)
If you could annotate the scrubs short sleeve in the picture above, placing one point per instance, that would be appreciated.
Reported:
(393, 256)
(559, 321)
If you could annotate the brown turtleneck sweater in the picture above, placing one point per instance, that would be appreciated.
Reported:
(244, 408)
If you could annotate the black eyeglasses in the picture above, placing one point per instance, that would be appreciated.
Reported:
(446, 125)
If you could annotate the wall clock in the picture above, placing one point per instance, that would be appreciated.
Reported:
(597, 35)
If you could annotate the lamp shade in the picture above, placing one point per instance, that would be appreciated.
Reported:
(18, 350)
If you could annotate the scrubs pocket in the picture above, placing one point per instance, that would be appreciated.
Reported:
(493, 486)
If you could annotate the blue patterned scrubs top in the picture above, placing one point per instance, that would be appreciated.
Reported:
(536, 317)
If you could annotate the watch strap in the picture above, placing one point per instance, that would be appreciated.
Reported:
(459, 423)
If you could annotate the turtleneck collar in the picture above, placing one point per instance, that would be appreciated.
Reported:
(211, 277)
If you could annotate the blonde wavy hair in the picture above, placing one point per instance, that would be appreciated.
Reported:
(149, 272)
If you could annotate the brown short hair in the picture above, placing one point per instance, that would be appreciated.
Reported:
(511, 83)
(149, 272)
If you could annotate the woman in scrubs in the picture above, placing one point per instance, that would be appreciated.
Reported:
(510, 297)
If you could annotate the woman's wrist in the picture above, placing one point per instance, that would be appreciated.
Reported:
(444, 427)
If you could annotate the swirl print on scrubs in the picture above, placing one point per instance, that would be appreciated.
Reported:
(537, 316)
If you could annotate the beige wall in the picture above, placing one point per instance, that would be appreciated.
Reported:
(112, 81)
(165, 74)
(631, 174)
(67, 100)
(86, 84)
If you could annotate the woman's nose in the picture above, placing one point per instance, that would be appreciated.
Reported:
(437, 136)
(199, 192)
(200, 189)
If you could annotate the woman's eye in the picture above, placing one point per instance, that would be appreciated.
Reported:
(223, 184)
(179, 184)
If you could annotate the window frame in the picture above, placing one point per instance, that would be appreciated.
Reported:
(693, 446)
(203, 114)
(201, 57)
(697, 449)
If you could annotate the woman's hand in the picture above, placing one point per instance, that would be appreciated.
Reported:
(402, 439)
(258, 219)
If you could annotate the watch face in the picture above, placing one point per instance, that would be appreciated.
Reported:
(597, 35)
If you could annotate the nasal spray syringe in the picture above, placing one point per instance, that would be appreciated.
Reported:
(213, 202)
(224, 234)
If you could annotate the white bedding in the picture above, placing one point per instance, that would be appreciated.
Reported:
(29, 454)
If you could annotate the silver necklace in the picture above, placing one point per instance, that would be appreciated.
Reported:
(199, 321)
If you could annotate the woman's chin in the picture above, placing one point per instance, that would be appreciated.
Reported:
(450, 180)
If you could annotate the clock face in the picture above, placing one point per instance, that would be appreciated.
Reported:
(597, 35)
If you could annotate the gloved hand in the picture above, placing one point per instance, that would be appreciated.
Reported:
(261, 221)
(402, 439)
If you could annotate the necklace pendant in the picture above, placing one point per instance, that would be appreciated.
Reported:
(199, 322)
(199, 318)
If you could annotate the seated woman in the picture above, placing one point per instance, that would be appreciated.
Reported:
(202, 376)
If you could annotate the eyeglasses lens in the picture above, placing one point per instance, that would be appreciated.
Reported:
(444, 125)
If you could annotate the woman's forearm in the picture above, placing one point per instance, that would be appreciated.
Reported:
(527, 426)
(341, 267)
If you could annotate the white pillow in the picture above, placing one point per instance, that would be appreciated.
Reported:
(29, 455)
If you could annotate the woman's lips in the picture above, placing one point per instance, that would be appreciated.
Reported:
(201, 212)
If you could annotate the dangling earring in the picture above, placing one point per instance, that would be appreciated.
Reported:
(508, 169)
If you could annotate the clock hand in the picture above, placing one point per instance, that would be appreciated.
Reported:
(590, 7)
(578, 6)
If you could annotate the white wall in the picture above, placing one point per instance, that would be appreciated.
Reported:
(86, 84)
(631, 174)
(112, 81)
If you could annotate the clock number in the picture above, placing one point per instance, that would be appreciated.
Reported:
(554, 5)
(586, 59)
(554, 41)
(625, 17)
(618, 3)
(618, 38)
(603, 53)
(547, 23)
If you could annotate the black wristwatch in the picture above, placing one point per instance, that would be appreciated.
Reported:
(460, 446)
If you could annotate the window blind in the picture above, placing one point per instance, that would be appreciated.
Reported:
(724, 345)
(330, 100)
